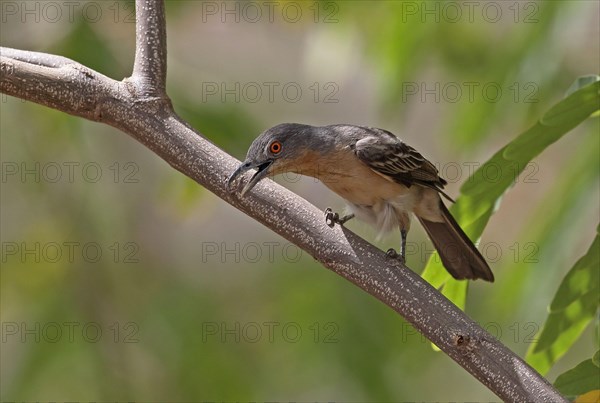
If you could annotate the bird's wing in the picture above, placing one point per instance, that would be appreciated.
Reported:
(388, 156)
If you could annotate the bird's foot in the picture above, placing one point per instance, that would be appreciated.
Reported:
(392, 254)
(332, 218)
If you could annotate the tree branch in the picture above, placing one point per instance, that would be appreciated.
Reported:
(140, 107)
(150, 67)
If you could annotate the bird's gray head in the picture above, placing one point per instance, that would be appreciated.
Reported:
(283, 148)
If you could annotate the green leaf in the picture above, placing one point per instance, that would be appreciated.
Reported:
(583, 278)
(571, 311)
(576, 182)
(582, 82)
(482, 192)
(583, 378)
(573, 108)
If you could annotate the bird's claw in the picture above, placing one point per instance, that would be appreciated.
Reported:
(331, 218)
(392, 254)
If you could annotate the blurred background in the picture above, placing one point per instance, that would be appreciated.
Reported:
(122, 279)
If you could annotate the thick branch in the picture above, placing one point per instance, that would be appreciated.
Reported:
(36, 58)
(57, 82)
(72, 88)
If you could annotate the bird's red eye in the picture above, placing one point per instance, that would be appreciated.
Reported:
(275, 147)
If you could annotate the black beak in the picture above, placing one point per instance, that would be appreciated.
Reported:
(261, 172)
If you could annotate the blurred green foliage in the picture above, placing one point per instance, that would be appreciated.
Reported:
(480, 197)
(585, 377)
(572, 310)
(578, 297)
(158, 290)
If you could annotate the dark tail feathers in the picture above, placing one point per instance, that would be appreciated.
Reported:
(459, 256)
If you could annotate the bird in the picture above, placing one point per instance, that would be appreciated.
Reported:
(382, 180)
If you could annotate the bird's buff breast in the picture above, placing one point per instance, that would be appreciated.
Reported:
(373, 198)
